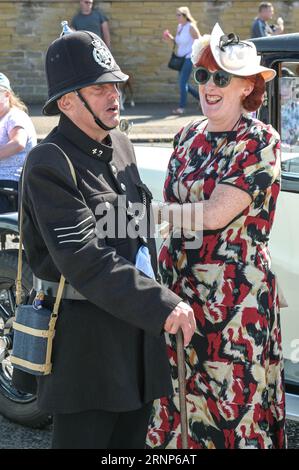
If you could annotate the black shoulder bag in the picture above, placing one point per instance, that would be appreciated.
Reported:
(176, 62)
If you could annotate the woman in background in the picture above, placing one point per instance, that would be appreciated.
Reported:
(187, 32)
(17, 137)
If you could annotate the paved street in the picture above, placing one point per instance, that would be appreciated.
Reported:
(13, 436)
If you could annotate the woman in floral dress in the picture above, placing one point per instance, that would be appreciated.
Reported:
(222, 184)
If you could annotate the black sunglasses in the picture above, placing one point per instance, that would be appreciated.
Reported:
(221, 78)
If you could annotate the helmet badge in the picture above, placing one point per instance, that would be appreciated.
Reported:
(102, 55)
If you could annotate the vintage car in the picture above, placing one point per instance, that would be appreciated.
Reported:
(281, 109)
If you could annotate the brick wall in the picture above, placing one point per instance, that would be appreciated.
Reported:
(28, 27)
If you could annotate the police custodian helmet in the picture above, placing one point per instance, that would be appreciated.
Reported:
(77, 60)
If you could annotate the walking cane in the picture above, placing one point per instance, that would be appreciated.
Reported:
(182, 388)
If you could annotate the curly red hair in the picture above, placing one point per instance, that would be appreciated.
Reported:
(251, 102)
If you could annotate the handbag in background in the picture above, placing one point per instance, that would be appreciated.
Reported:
(176, 62)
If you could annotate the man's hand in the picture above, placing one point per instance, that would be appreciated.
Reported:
(279, 26)
(181, 317)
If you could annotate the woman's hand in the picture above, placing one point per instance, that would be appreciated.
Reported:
(167, 36)
(165, 230)
(155, 205)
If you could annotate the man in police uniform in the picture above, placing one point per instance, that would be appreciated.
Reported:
(109, 354)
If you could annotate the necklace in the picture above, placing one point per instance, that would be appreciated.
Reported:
(235, 125)
(225, 139)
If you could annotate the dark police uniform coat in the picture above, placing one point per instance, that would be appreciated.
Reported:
(109, 351)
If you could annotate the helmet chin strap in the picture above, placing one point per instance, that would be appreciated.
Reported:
(96, 119)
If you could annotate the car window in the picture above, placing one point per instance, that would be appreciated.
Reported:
(283, 243)
(289, 123)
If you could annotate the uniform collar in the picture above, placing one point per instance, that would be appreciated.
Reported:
(91, 147)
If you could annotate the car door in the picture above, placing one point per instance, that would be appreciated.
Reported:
(281, 109)
(284, 240)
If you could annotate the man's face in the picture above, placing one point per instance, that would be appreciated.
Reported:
(104, 102)
(86, 6)
(268, 13)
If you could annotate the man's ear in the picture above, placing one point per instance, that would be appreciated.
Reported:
(65, 103)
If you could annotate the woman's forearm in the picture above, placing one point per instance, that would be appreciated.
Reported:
(190, 216)
(11, 148)
(226, 203)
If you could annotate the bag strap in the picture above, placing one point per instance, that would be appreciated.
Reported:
(19, 288)
(173, 50)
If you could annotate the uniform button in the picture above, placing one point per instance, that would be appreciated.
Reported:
(130, 205)
(123, 186)
(107, 205)
(114, 169)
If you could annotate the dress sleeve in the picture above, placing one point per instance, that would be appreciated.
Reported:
(15, 119)
(170, 190)
(254, 166)
(176, 138)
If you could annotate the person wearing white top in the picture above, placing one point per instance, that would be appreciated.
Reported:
(187, 32)
(17, 137)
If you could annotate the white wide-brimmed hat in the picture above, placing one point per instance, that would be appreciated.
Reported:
(232, 55)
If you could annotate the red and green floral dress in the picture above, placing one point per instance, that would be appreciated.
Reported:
(235, 390)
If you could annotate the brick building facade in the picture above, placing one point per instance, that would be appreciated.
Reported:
(28, 27)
